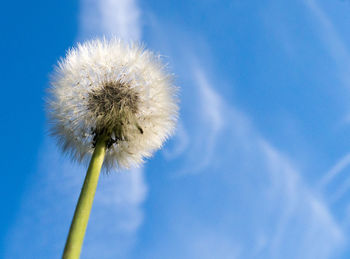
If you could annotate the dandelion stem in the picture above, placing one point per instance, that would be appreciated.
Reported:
(82, 211)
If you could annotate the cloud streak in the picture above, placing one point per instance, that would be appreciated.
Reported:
(288, 197)
(224, 143)
(336, 46)
(335, 170)
(110, 18)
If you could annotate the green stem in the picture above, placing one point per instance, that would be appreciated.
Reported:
(82, 211)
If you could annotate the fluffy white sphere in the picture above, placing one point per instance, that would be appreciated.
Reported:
(108, 87)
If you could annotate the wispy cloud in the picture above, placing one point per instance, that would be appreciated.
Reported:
(212, 120)
(301, 208)
(292, 204)
(343, 163)
(290, 219)
(110, 18)
(336, 45)
(262, 205)
(330, 178)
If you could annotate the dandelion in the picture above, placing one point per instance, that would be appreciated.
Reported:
(114, 103)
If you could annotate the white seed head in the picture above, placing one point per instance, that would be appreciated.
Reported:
(110, 88)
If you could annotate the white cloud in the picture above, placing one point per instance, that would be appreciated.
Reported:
(335, 170)
(211, 102)
(301, 206)
(211, 121)
(119, 18)
(336, 45)
(291, 220)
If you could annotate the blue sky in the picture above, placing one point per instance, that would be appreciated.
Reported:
(259, 166)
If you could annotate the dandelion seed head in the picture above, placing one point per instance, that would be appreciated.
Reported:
(115, 89)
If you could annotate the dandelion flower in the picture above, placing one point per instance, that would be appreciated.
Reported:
(113, 102)
(114, 89)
